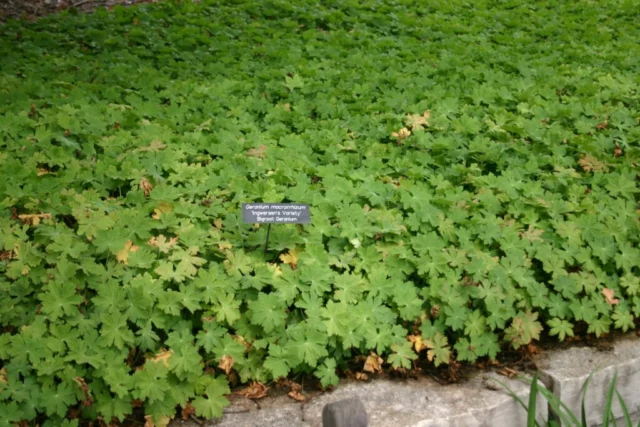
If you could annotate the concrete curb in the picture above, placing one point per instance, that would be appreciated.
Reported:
(476, 402)
(565, 371)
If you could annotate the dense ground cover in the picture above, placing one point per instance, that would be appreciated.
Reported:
(471, 168)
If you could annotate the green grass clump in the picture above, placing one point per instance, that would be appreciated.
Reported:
(562, 414)
(471, 168)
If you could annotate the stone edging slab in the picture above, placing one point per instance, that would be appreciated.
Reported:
(474, 402)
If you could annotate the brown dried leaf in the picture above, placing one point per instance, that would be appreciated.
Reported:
(156, 145)
(532, 234)
(146, 186)
(508, 372)
(137, 403)
(226, 363)
(148, 421)
(454, 370)
(187, 411)
(533, 349)
(361, 376)
(373, 363)
(3, 376)
(34, 219)
(435, 311)
(401, 135)
(603, 125)
(416, 121)
(296, 395)
(260, 152)
(591, 164)
(255, 390)
(88, 400)
(608, 294)
(617, 152)
(123, 254)
(162, 356)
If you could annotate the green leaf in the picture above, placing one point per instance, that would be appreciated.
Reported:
(185, 360)
(306, 344)
(60, 300)
(151, 382)
(327, 373)
(524, 328)
(212, 402)
(267, 311)
(560, 327)
(114, 330)
(456, 317)
(59, 398)
(226, 308)
(402, 355)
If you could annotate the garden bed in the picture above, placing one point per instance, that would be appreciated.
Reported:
(471, 172)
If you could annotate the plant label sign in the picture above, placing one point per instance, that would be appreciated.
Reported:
(276, 213)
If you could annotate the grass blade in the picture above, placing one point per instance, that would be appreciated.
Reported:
(625, 411)
(517, 398)
(533, 393)
(560, 408)
(609, 401)
(584, 395)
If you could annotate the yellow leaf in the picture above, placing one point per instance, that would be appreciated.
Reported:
(240, 340)
(416, 121)
(275, 269)
(260, 152)
(162, 243)
(123, 254)
(162, 208)
(224, 245)
(419, 343)
(291, 258)
(156, 145)
(163, 421)
(217, 223)
(34, 219)
(402, 134)
(163, 356)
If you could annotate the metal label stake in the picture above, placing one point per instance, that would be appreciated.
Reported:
(266, 243)
(275, 213)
